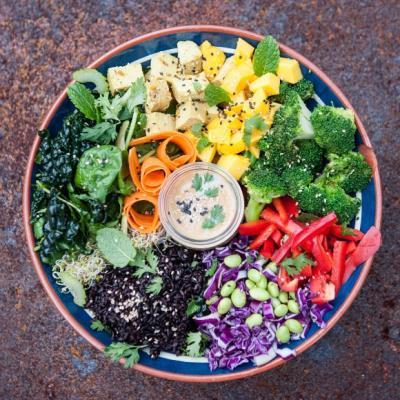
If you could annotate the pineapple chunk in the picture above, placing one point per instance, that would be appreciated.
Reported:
(255, 151)
(236, 79)
(235, 164)
(219, 131)
(239, 97)
(243, 51)
(256, 104)
(289, 70)
(208, 154)
(269, 82)
(273, 109)
(256, 135)
(214, 59)
(236, 146)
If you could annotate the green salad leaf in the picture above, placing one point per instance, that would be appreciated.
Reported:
(83, 99)
(216, 95)
(266, 56)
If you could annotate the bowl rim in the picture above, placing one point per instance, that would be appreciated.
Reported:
(54, 296)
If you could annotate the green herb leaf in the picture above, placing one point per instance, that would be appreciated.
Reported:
(203, 143)
(211, 271)
(102, 133)
(197, 86)
(216, 95)
(97, 326)
(135, 95)
(115, 246)
(216, 216)
(208, 177)
(110, 109)
(83, 99)
(266, 56)
(118, 350)
(155, 286)
(196, 129)
(195, 344)
(197, 182)
(294, 266)
(346, 231)
(192, 308)
(211, 192)
(255, 122)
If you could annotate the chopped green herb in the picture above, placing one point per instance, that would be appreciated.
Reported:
(208, 177)
(102, 133)
(211, 271)
(197, 182)
(216, 95)
(294, 265)
(196, 128)
(346, 231)
(97, 326)
(192, 308)
(211, 192)
(155, 286)
(118, 350)
(203, 143)
(195, 344)
(197, 86)
(216, 216)
(255, 122)
(266, 56)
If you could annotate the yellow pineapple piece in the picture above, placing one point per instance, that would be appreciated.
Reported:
(243, 51)
(214, 59)
(235, 164)
(208, 154)
(219, 131)
(255, 151)
(269, 82)
(236, 146)
(273, 109)
(289, 70)
(236, 79)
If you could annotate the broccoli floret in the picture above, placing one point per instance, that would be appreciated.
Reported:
(334, 128)
(304, 88)
(320, 200)
(350, 171)
(296, 178)
(310, 155)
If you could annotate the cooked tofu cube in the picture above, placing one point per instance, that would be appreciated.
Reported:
(211, 113)
(158, 95)
(186, 87)
(121, 78)
(163, 66)
(190, 113)
(289, 70)
(269, 82)
(189, 55)
(159, 122)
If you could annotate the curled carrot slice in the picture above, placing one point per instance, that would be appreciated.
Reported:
(184, 143)
(134, 168)
(141, 222)
(152, 138)
(153, 174)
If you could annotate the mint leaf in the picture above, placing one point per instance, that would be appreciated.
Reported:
(294, 266)
(202, 144)
(83, 99)
(197, 182)
(255, 122)
(266, 56)
(216, 95)
(102, 133)
(196, 128)
(211, 192)
(115, 246)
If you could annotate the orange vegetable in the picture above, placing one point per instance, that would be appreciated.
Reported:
(143, 223)
(185, 144)
(134, 168)
(153, 174)
(152, 138)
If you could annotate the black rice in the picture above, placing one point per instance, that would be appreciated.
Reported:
(119, 300)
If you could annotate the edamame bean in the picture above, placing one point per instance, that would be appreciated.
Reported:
(228, 288)
(272, 266)
(283, 297)
(293, 307)
(254, 320)
(275, 302)
(238, 298)
(281, 310)
(292, 295)
(262, 283)
(211, 300)
(283, 334)
(233, 261)
(259, 294)
(273, 289)
(250, 284)
(294, 326)
(224, 305)
(254, 275)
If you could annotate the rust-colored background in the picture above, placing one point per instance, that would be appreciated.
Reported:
(41, 42)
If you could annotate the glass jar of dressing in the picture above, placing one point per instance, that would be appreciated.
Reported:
(201, 205)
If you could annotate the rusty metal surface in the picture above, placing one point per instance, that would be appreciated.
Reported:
(42, 42)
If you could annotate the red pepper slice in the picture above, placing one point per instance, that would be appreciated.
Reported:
(285, 283)
(339, 258)
(314, 229)
(322, 256)
(321, 290)
(336, 230)
(273, 217)
(252, 228)
(280, 207)
(280, 254)
(366, 248)
(262, 237)
(291, 206)
(351, 246)
(277, 237)
(307, 271)
(268, 249)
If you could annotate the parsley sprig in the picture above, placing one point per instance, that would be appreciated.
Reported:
(216, 216)
(118, 350)
(293, 266)
(195, 344)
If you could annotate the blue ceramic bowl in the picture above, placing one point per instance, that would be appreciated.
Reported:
(141, 50)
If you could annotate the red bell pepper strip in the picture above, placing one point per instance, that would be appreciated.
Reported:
(314, 229)
(277, 237)
(321, 290)
(268, 249)
(252, 228)
(322, 256)
(280, 207)
(351, 246)
(366, 248)
(339, 259)
(289, 227)
(336, 230)
(291, 206)
(281, 253)
(306, 271)
(285, 283)
(262, 237)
